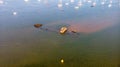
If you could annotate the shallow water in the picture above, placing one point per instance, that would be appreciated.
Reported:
(23, 45)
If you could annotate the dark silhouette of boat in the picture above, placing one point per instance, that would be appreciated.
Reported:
(38, 25)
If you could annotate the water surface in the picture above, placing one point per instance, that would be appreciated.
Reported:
(23, 45)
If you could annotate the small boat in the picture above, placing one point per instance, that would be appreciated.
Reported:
(37, 25)
(63, 30)
(93, 5)
(73, 31)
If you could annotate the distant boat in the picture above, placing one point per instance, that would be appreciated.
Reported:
(92, 6)
(73, 31)
(38, 25)
(63, 30)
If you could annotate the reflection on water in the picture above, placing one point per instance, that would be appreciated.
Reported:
(23, 45)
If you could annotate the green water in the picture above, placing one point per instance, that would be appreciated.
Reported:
(23, 45)
(36, 48)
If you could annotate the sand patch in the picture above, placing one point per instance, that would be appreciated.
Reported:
(90, 27)
(87, 25)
